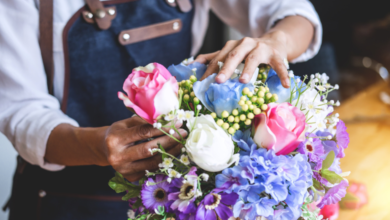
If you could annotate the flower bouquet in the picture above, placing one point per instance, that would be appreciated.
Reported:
(255, 150)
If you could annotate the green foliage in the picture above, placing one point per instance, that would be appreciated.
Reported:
(328, 160)
(119, 184)
(317, 185)
(331, 176)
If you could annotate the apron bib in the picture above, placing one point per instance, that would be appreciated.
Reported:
(96, 64)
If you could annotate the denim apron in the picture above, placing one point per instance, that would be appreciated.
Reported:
(97, 63)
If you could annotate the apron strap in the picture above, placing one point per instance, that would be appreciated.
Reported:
(46, 39)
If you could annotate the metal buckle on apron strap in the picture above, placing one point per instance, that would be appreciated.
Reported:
(99, 14)
(136, 35)
(184, 5)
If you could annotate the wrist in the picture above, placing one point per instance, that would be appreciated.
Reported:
(93, 140)
(280, 41)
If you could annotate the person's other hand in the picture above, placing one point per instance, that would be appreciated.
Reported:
(269, 49)
(132, 160)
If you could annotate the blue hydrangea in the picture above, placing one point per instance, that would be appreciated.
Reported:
(220, 97)
(184, 72)
(263, 180)
(275, 86)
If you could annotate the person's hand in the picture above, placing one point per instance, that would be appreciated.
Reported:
(270, 49)
(132, 160)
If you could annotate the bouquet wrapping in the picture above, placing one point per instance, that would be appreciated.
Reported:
(253, 151)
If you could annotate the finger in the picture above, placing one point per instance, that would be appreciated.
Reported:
(234, 58)
(221, 56)
(151, 164)
(142, 151)
(280, 68)
(205, 58)
(133, 177)
(259, 55)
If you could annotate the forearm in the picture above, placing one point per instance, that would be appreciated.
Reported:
(72, 146)
(296, 31)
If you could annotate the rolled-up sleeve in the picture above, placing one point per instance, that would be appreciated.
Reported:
(28, 113)
(254, 18)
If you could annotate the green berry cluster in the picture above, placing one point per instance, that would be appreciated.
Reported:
(263, 73)
(189, 100)
(251, 104)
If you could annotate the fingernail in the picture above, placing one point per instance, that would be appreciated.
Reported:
(221, 78)
(245, 77)
(286, 82)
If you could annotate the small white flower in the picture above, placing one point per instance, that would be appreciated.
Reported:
(329, 137)
(318, 75)
(147, 183)
(188, 115)
(321, 88)
(194, 70)
(290, 74)
(337, 103)
(337, 115)
(183, 150)
(167, 163)
(173, 173)
(184, 159)
(180, 115)
(154, 125)
(204, 176)
(159, 125)
(316, 80)
(147, 172)
(160, 165)
(169, 179)
(199, 107)
(336, 86)
(169, 117)
(131, 214)
(331, 102)
(298, 80)
(311, 76)
(171, 132)
(198, 193)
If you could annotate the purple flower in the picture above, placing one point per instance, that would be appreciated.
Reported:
(156, 194)
(132, 201)
(231, 179)
(313, 149)
(183, 199)
(245, 142)
(216, 205)
(335, 194)
(342, 138)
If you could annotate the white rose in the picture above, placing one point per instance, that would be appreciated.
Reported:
(209, 146)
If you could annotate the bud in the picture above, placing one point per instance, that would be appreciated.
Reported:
(250, 94)
(268, 96)
(264, 107)
(231, 118)
(237, 119)
(236, 126)
(232, 130)
(186, 91)
(262, 88)
(241, 102)
(213, 115)
(245, 91)
(254, 99)
(275, 97)
(225, 126)
(256, 111)
(245, 107)
(261, 94)
(219, 122)
(248, 122)
(260, 101)
(256, 89)
(186, 97)
(188, 83)
(225, 114)
(251, 107)
(192, 94)
(235, 112)
(251, 115)
(243, 98)
(242, 117)
(196, 101)
(193, 78)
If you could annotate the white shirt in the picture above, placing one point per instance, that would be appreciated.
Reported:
(28, 113)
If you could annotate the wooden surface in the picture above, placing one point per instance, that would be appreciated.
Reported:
(368, 155)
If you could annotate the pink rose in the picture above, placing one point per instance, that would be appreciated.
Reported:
(151, 91)
(330, 212)
(281, 129)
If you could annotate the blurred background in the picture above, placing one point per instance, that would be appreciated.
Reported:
(355, 53)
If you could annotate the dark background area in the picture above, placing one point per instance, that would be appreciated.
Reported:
(353, 29)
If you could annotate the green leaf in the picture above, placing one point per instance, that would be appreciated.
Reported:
(142, 180)
(163, 150)
(317, 185)
(328, 161)
(331, 176)
(119, 184)
(132, 193)
(349, 197)
(156, 217)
